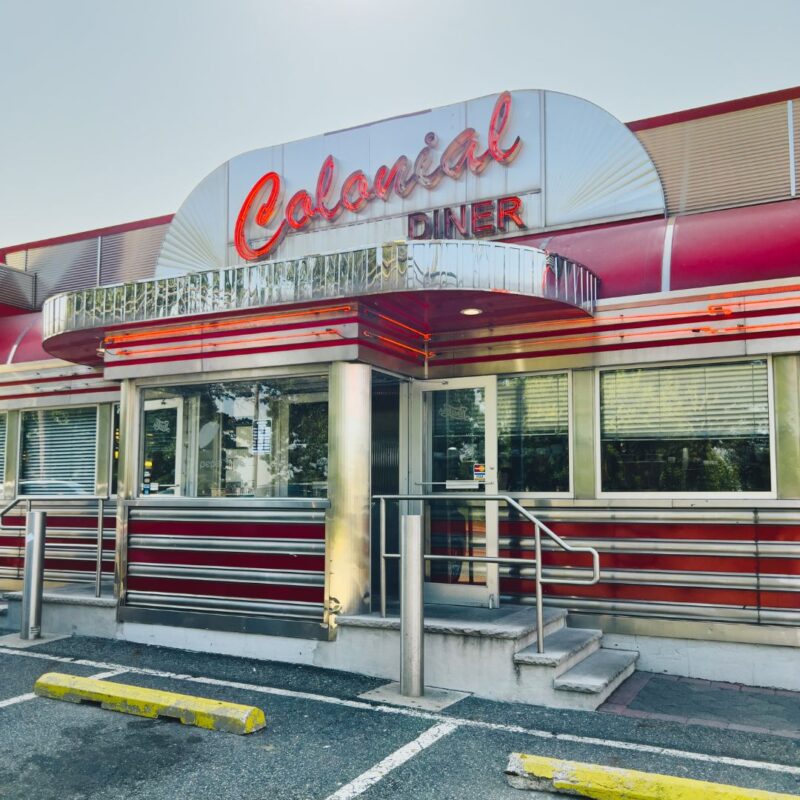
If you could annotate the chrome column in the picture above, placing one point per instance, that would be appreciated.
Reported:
(347, 528)
(412, 623)
(31, 627)
(126, 479)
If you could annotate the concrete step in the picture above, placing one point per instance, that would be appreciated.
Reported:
(514, 623)
(563, 649)
(599, 674)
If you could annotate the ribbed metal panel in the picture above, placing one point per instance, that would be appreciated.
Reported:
(16, 260)
(130, 256)
(63, 267)
(796, 130)
(726, 160)
(17, 288)
(2, 450)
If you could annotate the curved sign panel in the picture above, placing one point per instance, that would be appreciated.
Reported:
(517, 162)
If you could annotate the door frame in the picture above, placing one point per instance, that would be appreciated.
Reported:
(419, 457)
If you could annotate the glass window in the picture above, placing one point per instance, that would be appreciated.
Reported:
(115, 441)
(2, 453)
(533, 433)
(265, 439)
(59, 447)
(700, 428)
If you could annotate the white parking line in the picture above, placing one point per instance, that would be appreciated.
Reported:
(21, 698)
(458, 721)
(360, 784)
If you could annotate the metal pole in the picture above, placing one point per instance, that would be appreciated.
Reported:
(539, 607)
(383, 557)
(412, 628)
(98, 566)
(31, 627)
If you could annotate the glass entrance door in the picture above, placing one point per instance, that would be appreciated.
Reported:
(454, 451)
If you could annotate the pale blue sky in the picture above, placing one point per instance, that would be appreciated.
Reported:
(112, 111)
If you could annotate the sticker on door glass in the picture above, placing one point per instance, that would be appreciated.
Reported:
(479, 472)
(262, 436)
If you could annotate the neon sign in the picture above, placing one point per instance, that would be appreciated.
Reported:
(262, 204)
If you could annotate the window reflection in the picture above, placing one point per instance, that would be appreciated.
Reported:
(244, 439)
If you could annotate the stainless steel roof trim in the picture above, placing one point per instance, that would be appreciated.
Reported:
(376, 269)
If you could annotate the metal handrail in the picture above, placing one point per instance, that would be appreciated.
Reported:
(60, 498)
(539, 526)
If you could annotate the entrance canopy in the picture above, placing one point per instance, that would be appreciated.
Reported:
(436, 286)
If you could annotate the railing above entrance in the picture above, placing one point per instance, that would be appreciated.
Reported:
(539, 529)
(377, 269)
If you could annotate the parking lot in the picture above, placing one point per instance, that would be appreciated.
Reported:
(321, 739)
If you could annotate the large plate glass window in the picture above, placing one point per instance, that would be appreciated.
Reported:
(266, 438)
(695, 428)
(533, 433)
(58, 451)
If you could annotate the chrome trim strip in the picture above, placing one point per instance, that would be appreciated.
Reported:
(227, 574)
(206, 602)
(227, 544)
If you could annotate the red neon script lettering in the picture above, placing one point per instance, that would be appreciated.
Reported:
(357, 192)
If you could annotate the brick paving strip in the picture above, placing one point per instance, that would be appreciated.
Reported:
(621, 701)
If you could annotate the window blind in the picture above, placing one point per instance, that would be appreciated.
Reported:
(533, 404)
(2, 453)
(58, 451)
(699, 401)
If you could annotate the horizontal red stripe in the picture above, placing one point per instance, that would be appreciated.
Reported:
(17, 563)
(635, 530)
(248, 591)
(618, 591)
(69, 392)
(641, 561)
(260, 530)
(725, 107)
(276, 561)
(779, 566)
(780, 600)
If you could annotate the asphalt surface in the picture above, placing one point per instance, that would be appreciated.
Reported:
(318, 739)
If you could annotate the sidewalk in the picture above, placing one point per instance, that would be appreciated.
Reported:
(729, 706)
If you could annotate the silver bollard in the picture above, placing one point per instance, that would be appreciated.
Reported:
(31, 627)
(412, 626)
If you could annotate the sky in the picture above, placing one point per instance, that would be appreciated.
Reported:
(113, 111)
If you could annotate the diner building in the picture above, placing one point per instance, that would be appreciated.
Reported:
(595, 324)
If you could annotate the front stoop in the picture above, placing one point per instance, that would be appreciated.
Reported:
(492, 654)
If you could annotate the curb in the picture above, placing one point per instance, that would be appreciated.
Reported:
(199, 711)
(574, 778)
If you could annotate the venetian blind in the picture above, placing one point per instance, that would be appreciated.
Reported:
(58, 451)
(702, 401)
(533, 404)
(2, 452)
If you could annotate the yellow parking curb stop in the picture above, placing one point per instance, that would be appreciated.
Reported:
(574, 778)
(200, 711)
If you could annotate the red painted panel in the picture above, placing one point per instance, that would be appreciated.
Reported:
(779, 566)
(21, 339)
(646, 561)
(736, 245)
(789, 600)
(779, 533)
(265, 530)
(276, 561)
(87, 564)
(625, 256)
(623, 591)
(636, 530)
(249, 591)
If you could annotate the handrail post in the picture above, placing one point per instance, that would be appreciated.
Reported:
(383, 556)
(539, 605)
(31, 627)
(412, 625)
(98, 567)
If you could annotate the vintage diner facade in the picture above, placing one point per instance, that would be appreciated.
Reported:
(516, 294)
